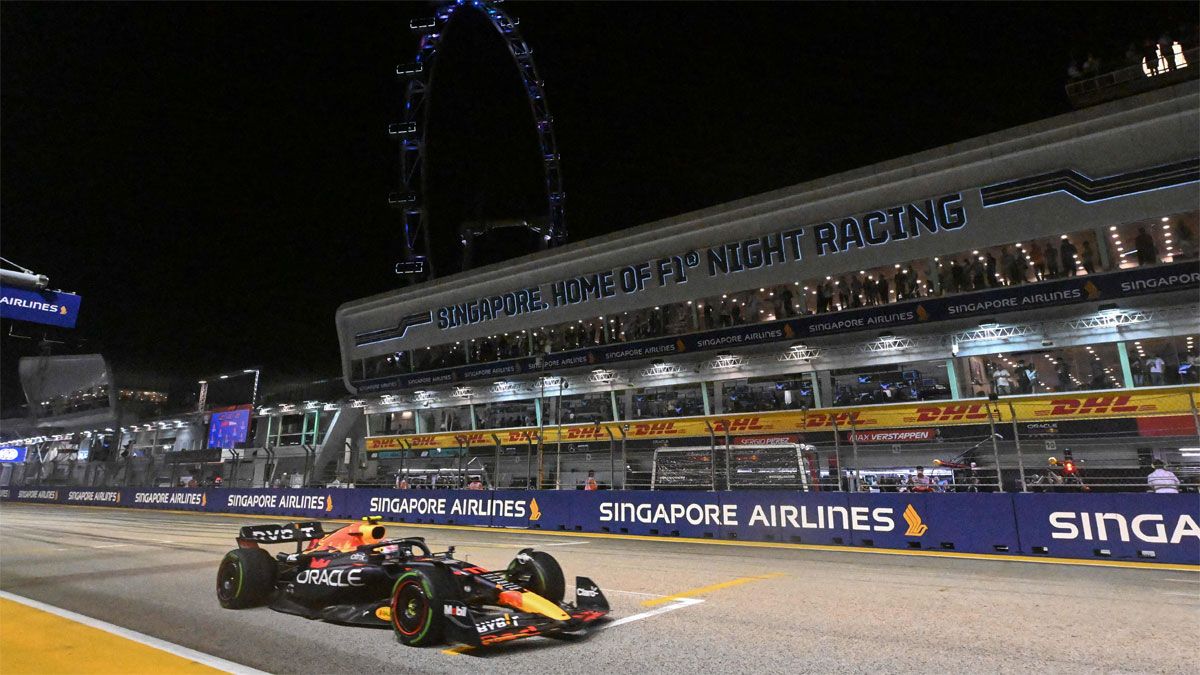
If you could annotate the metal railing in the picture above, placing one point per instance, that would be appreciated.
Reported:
(1132, 80)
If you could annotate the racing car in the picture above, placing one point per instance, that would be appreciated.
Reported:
(356, 576)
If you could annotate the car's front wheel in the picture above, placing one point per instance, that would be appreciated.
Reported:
(417, 611)
(538, 572)
(245, 578)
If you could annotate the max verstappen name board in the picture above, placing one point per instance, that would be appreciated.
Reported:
(1078, 290)
(1142, 527)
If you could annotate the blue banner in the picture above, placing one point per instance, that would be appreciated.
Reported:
(1135, 527)
(1148, 527)
(12, 454)
(53, 308)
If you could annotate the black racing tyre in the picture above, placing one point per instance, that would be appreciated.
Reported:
(245, 578)
(418, 619)
(538, 572)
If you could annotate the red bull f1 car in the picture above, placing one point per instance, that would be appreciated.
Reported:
(355, 575)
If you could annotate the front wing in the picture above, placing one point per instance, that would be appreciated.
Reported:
(482, 626)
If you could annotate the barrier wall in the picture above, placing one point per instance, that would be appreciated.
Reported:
(1145, 527)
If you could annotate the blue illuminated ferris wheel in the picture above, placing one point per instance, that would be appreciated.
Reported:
(411, 133)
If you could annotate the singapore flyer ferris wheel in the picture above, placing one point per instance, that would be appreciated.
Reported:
(416, 257)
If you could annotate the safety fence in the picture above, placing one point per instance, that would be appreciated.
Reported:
(1163, 528)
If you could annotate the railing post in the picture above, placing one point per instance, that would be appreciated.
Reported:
(612, 461)
(496, 475)
(837, 450)
(712, 458)
(1017, 440)
(624, 457)
(854, 446)
(1195, 415)
(728, 442)
(992, 415)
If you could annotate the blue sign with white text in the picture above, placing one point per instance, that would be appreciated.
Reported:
(12, 454)
(53, 308)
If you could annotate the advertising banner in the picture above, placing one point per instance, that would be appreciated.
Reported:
(1148, 527)
(871, 424)
(1137, 527)
(12, 454)
(52, 308)
(165, 498)
(975, 522)
(295, 502)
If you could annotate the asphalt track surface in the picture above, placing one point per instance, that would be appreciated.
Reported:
(677, 607)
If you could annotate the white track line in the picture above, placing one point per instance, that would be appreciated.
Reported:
(677, 603)
(169, 647)
(1194, 596)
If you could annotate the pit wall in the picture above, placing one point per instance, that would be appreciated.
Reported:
(1156, 528)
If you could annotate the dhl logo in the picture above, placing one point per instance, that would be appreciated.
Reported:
(384, 444)
(827, 420)
(735, 424)
(471, 439)
(423, 440)
(587, 433)
(950, 413)
(520, 436)
(1093, 405)
(655, 429)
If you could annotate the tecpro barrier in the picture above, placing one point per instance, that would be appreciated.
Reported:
(1144, 527)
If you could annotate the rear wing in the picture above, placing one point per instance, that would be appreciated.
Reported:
(252, 535)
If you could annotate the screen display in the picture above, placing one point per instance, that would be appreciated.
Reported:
(228, 428)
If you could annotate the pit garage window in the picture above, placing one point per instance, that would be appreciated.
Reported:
(1163, 361)
(1082, 368)
(1157, 240)
(897, 383)
(655, 402)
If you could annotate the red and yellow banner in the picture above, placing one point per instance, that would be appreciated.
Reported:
(1050, 407)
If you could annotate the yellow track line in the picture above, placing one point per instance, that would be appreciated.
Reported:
(36, 641)
(709, 589)
(993, 557)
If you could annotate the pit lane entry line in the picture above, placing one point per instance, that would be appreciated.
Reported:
(39, 638)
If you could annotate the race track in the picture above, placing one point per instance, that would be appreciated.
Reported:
(677, 607)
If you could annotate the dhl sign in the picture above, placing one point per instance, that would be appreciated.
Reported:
(925, 414)
(1133, 404)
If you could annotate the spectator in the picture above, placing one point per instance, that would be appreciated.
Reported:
(1050, 257)
(1073, 71)
(1155, 365)
(1187, 241)
(1003, 381)
(1091, 67)
(1133, 56)
(989, 263)
(1067, 253)
(401, 482)
(1166, 49)
(475, 483)
(1030, 376)
(1162, 481)
(1150, 56)
(1009, 264)
(1147, 251)
(882, 289)
(1088, 257)
(921, 482)
(590, 482)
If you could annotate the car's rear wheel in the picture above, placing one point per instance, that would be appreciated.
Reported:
(245, 578)
(418, 619)
(538, 572)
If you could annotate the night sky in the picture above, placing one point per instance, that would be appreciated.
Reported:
(212, 179)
